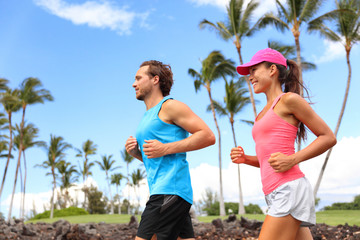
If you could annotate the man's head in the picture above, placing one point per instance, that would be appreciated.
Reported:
(164, 73)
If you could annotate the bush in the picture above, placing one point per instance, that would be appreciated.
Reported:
(253, 209)
(355, 205)
(70, 211)
(214, 210)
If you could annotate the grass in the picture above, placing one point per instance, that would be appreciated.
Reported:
(331, 217)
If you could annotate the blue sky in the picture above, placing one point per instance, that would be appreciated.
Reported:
(86, 54)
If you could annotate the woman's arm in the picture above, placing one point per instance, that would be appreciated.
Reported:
(238, 156)
(305, 114)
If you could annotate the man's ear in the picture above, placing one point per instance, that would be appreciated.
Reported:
(156, 79)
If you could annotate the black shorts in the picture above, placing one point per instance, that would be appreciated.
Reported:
(168, 217)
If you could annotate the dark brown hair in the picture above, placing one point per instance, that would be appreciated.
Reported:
(163, 71)
(289, 80)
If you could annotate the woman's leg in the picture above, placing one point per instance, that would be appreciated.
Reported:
(279, 228)
(304, 233)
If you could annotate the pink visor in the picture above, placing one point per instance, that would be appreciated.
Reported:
(264, 55)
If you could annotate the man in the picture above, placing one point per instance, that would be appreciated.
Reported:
(162, 140)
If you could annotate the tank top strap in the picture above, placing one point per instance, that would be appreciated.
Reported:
(159, 105)
(276, 100)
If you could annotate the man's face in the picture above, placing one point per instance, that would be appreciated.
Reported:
(143, 83)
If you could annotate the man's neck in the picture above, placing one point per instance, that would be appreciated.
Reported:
(153, 100)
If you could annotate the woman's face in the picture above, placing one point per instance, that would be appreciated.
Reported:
(260, 77)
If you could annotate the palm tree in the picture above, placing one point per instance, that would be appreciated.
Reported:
(67, 179)
(29, 94)
(128, 159)
(107, 165)
(136, 177)
(56, 153)
(345, 20)
(11, 103)
(88, 148)
(289, 52)
(236, 28)
(235, 101)
(290, 17)
(215, 66)
(30, 132)
(116, 179)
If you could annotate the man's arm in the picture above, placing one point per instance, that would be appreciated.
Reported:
(180, 114)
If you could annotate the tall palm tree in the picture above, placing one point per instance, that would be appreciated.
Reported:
(234, 103)
(56, 153)
(236, 28)
(136, 177)
(215, 66)
(345, 25)
(116, 179)
(30, 93)
(68, 178)
(128, 159)
(88, 148)
(30, 133)
(289, 52)
(291, 16)
(107, 165)
(11, 103)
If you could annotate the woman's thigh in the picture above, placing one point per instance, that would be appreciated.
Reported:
(279, 228)
(304, 233)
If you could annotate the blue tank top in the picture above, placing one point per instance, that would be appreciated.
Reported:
(168, 174)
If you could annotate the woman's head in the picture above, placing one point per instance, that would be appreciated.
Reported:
(288, 70)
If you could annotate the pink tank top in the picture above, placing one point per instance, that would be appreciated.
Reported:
(273, 134)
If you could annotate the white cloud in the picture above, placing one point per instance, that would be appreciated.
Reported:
(95, 14)
(333, 51)
(264, 6)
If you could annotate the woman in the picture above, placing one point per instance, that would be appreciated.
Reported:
(288, 193)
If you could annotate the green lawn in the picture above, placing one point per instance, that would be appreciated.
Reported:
(333, 218)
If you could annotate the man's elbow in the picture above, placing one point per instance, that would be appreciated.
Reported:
(211, 138)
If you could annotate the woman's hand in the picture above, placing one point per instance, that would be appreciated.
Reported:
(237, 155)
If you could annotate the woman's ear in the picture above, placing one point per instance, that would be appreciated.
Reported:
(273, 70)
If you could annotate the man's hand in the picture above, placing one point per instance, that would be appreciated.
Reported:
(154, 149)
(132, 147)
(280, 162)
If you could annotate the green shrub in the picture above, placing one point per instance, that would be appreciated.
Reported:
(70, 211)
(253, 209)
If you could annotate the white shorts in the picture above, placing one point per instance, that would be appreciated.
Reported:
(295, 198)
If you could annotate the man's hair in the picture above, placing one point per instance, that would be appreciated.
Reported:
(164, 72)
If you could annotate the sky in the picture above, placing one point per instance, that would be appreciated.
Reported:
(86, 53)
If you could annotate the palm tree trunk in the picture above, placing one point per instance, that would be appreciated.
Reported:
(128, 209)
(111, 199)
(8, 158)
(241, 200)
(252, 99)
(19, 160)
(53, 194)
(117, 192)
(13, 192)
(316, 188)
(298, 59)
(221, 200)
(23, 198)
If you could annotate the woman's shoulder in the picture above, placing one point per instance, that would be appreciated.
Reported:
(293, 100)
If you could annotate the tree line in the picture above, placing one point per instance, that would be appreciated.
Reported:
(23, 136)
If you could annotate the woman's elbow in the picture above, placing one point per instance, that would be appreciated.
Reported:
(333, 140)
